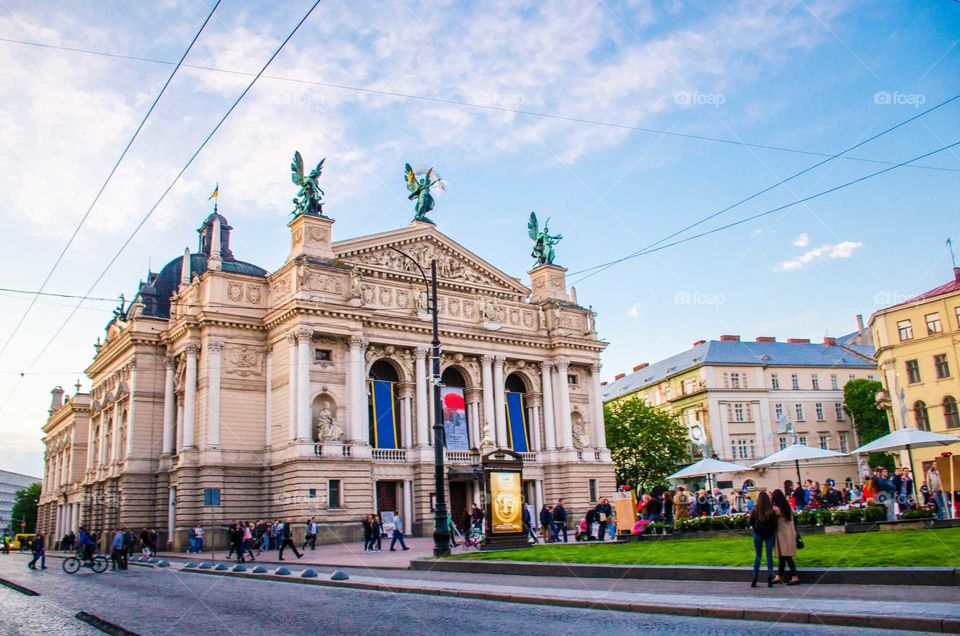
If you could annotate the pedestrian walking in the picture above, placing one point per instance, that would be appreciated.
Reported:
(763, 521)
(116, 550)
(936, 491)
(198, 533)
(786, 538)
(287, 541)
(397, 532)
(559, 521)
(311, 537)
(39, 549)
(368, 533)
(378, 532)
(546, 523)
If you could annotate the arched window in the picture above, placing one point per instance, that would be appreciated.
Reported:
(384, 405)
(748, 484)
(950, 413)
(921, 416)
(456, 425)
(518, 431)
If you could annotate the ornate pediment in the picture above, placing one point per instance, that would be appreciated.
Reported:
(455, 264)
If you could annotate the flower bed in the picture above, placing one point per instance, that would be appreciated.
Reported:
(819, 517)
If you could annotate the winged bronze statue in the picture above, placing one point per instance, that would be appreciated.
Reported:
(308, 198)
(543, 241)
(420, 190)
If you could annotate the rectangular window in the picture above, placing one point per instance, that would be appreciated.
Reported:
(593, 490)
(942, 366)
(870, 376)
(211, 496)
(815, 379)
(933, 323)
(825, 442)
(834, 382)
(572, 379)
(738, 411)
(740, 449)
(734, 380)
(783, 443)
(774, 381)
(753, 448)
(843, 442)
(312, 493)
(838, 410)
(819, 408)
(853, 377)
(957, 311)
(913, 371)
(778, 410)
(333, 493)
(795, 381)
(802, 439)
(905, 329)
(798, 408)
(322, 355)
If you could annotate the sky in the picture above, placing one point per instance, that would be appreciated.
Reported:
(592, 114)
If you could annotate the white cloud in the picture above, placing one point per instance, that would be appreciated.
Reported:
(634, 310)
(802, 241)
(843, 249)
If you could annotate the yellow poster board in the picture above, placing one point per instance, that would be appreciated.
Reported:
(506, 502)
(626, 508)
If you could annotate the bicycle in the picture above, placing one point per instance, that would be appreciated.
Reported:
(98, 563)
(474, 540)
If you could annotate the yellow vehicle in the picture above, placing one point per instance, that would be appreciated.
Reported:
(21, 541)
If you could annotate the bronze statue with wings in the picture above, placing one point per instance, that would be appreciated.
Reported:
(420, 190)
(543, 241)
(307, 200)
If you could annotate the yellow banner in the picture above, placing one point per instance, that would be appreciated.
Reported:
(506, 502)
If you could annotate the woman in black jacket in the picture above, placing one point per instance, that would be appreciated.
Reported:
(368, 534)
(763, 521)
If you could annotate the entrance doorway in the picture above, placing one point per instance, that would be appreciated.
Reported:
(387, 496)
(459, 504)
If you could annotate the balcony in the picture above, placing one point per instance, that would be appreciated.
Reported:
(396, 455)
(456, 456)
(529, 458)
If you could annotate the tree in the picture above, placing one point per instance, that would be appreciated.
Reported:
(870, 421)
(646, 444)
(25, 508)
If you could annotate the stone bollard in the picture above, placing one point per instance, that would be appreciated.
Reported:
(339, 575)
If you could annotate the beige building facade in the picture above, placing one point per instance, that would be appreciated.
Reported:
(228, 392)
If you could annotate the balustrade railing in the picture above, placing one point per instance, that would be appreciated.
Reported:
(389, 454)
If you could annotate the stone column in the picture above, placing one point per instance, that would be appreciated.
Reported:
(268, 402)
(565, 429)
(538, 497)
(131, 411)
(304, 339)
(292, 387)
(115, 434)
(499, 402)
(422, 395)
(190, 397)
(596, 406)
(169, 408)
(486, 377)
(358, 392)
(179, 435)
(102, 447)
(406, 419)
(535, 424)
(408, 506)
(472, 397)
(214, 364)
(549, 422)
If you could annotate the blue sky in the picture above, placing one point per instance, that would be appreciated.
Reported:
(806, 75)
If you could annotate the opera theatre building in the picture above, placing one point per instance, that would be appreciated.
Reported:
(225, 391)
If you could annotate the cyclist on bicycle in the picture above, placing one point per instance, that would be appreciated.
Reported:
(85, 545)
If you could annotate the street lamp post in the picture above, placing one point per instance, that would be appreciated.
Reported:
(441, 532)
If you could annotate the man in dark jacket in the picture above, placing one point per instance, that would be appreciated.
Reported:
(528, 524)
(604, 510)
(546, 523)
(559, 521)
(38, 546)
(288, 539)
(800, 497)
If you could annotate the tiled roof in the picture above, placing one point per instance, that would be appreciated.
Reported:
(946, 288)
(771, 354)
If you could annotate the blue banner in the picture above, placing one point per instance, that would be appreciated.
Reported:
(455, 418)
(383, 418)
(517, 422)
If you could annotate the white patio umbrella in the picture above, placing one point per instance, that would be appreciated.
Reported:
(796, 453)
(707, 466)
(906, 438)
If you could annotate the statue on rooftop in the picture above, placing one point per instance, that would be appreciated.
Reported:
(308, 197)
(420, 190)
(543, 241)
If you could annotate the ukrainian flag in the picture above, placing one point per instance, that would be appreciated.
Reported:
(216, 192)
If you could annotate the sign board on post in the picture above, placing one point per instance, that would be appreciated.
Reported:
(503, 473)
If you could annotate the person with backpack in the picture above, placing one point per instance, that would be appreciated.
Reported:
(287, 541)
(787, 539)
(763, 522)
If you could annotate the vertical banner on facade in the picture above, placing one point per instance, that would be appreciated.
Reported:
(505, 502)
(383, 417)
(455, 418)
(517, 422)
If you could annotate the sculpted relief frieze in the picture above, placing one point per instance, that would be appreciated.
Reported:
(449, 267)
(243, 361)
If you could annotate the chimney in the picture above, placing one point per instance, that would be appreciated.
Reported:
(827, 340)
(729, 338)
(642, 365)
(619, 376)
(56, 399)
(798, 340)
(698, 343)
(604, 383)
(766, 339)
(860, 329)
(185, 268)
(956, 274)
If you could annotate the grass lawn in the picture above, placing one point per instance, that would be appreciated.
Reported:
(907, 548)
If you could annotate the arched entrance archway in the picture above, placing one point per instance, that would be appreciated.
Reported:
(384, 405)
(456, 425)
(518, 430)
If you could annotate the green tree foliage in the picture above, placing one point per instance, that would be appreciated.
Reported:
(646, 443)
(860, 403)
(25, 508)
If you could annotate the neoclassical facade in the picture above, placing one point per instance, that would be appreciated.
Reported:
(228, 392)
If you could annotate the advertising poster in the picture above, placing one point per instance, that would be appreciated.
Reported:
(505, 502)
(455, 418)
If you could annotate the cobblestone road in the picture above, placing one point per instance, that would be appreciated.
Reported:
(167, 602)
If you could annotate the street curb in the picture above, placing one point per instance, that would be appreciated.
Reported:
(907, 623)
(942, 577)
